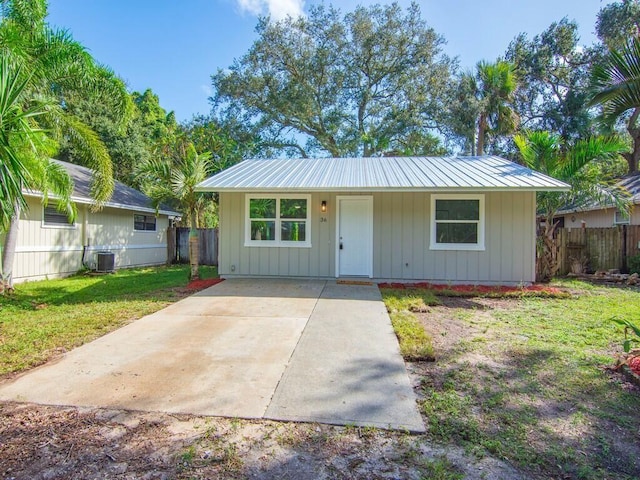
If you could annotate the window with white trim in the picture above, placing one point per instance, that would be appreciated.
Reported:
(144, 223)
(457, 222)
(620, 218)
(278, 221)
(52, 217)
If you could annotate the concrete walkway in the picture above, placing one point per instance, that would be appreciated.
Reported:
(279, 349)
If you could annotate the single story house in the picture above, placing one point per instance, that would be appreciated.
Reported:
(49, 246)
(457, 219)
(602, 215)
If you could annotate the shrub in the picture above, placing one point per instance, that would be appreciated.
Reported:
(634, 264)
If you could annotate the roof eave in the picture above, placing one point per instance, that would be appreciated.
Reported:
(89, 201)
(382, 189)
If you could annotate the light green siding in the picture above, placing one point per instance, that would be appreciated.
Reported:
(401, 236)
(49, 251)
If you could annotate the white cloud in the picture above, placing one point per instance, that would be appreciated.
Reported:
(277, 9)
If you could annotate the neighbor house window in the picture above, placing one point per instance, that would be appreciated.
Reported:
(457, 222)
(54, 218)
(144, 223)
(278, 220)
(620, 218)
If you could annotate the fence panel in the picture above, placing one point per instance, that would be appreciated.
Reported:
(208, 238)
(604, 248)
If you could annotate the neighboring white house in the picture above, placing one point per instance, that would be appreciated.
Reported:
(600, 215)
(49, 246)
(458, 219)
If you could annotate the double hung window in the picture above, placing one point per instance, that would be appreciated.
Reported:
(278, 220)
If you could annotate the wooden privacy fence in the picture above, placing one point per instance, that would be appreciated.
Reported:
(178, 245)
(602, 248)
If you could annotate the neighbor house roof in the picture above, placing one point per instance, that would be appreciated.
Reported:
(123, 197)
(380, 173)
(630, 183)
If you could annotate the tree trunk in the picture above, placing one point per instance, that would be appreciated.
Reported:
(9, 252)
(633, 158)
(482, 128)
(546, 262)
(194, 248)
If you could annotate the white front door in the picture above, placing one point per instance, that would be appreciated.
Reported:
(355, 236)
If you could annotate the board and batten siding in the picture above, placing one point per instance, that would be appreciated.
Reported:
(401, 237)
(52, 251)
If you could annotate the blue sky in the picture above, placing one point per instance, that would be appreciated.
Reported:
(174, 47)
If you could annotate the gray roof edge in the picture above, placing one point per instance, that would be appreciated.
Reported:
(89, 201)
(383, 189)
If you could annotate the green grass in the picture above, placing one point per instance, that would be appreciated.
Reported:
(46, 317)
(534, 391)
(415, 342)
(414, 300)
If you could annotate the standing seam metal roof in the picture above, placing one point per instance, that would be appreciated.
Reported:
(380, 173)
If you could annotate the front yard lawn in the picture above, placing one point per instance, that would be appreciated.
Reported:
(523, 380)
(45, 318)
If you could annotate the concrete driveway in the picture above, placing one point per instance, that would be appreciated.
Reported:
(301, 350)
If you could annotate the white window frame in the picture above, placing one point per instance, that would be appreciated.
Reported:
(479, 246)
(155, 229)
(278, 221)
(68, 226)
(618, 219)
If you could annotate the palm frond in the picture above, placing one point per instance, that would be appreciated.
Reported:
(91, 149)
(587, 150)
(615, 83)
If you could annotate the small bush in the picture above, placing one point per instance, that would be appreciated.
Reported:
(634, 264)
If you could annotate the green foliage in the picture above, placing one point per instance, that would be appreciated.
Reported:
(546, 153)
(441, 469)
(628, 328)
(367, 83)
(616, 81)
(617, 22)
(228, 141)
(553, 72)
(173, 179)
(51, 68)
(634, 264)
(496, 86)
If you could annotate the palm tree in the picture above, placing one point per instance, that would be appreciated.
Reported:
(496, 87)
(174, 181)
(546, 153)
(615, 84)
(47, 67)
(22, 166)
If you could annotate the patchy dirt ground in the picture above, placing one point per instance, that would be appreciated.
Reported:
(562, 425)
(43, 442)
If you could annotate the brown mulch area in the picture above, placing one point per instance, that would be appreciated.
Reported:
(201, 284)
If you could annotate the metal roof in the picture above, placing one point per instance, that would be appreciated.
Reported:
(380, 173)
(123, 197)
